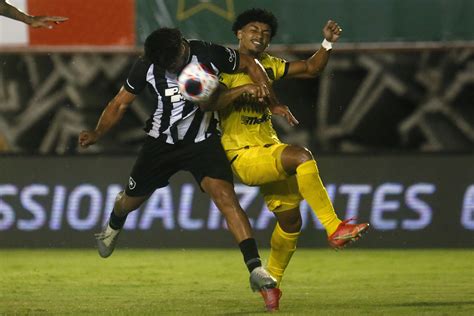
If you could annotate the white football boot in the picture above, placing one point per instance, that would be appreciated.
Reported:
(106, 240)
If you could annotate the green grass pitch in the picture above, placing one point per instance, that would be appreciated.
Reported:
(215, 282)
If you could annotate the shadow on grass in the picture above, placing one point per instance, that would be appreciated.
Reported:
(431, 304)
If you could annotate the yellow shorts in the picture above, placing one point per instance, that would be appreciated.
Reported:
(261, 166)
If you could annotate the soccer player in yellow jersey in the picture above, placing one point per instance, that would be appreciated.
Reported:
(285, 173)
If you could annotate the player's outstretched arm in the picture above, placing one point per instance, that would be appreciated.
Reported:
(111, 115)
(314, 65)
(10, 11)
(46, 21)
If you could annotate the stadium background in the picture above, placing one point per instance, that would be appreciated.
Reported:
(391, 121)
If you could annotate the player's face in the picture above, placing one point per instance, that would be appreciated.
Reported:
(181, 59)
(254, 37)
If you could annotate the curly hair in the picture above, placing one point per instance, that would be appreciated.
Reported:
(255, 15)
(163, 46)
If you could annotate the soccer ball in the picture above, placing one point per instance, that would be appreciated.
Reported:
(197, 82)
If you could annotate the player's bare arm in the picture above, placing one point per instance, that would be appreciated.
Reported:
(111, 115)
(10, 11)
(314, 65)
(223, 97)
(258, 75)
(46, 21)
(280, 109)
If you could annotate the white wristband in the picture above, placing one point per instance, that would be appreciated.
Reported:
(326, 44)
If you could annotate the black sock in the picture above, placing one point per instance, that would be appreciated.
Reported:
(248, 247)
(117, 222)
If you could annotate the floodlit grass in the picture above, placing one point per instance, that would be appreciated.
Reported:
(210, 282)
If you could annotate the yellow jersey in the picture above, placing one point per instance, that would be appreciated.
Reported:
(245, 123)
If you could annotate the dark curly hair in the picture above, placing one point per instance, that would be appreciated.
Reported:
(255, 15)
(163, 46)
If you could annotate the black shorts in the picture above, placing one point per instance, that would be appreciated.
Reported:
(157, 161)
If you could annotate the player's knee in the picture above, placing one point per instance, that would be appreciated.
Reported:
(119, 196)
(222, 194)
(224, 198)
(124, 205)
(294, 226)
(293, 156)
(119, 203)
(303, 155)
(291, 224)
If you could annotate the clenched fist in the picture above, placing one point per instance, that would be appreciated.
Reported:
(87, 138)
(332, 31)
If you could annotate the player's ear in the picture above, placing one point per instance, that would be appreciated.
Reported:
(239, 34)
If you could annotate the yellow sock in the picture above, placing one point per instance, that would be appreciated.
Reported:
(313, 191)
(283, 245)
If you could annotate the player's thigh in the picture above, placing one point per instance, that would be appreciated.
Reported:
(155, 164)
(281, 195)
(258, 165)
(207, 159)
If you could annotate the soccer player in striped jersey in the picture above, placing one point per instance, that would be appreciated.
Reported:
(10, 11)
(181, 137)
(285, 173)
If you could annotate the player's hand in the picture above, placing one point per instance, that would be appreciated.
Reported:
(255, 96)
(284, 111)
(87, 138)
(257, 91)
(332, 31)
(46, 21)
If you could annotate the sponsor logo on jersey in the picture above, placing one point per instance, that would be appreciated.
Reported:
(252, 120)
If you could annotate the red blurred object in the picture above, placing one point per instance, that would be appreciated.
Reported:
(271, 298)
(347, 233)
(91, 22)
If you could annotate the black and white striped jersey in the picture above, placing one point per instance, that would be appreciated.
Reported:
(176, 119)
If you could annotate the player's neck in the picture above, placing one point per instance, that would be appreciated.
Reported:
(254, 54)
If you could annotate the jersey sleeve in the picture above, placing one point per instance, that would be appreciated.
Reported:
(136, 80)
(226, 79)
(280, 67)
(224, 58)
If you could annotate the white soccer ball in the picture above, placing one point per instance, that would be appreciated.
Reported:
(197, 82)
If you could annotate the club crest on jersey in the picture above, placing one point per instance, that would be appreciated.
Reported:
(131, 183)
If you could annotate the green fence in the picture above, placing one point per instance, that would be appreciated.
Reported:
(301, 21)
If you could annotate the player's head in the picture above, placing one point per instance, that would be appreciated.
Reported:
(255, 28)
(167, 48)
